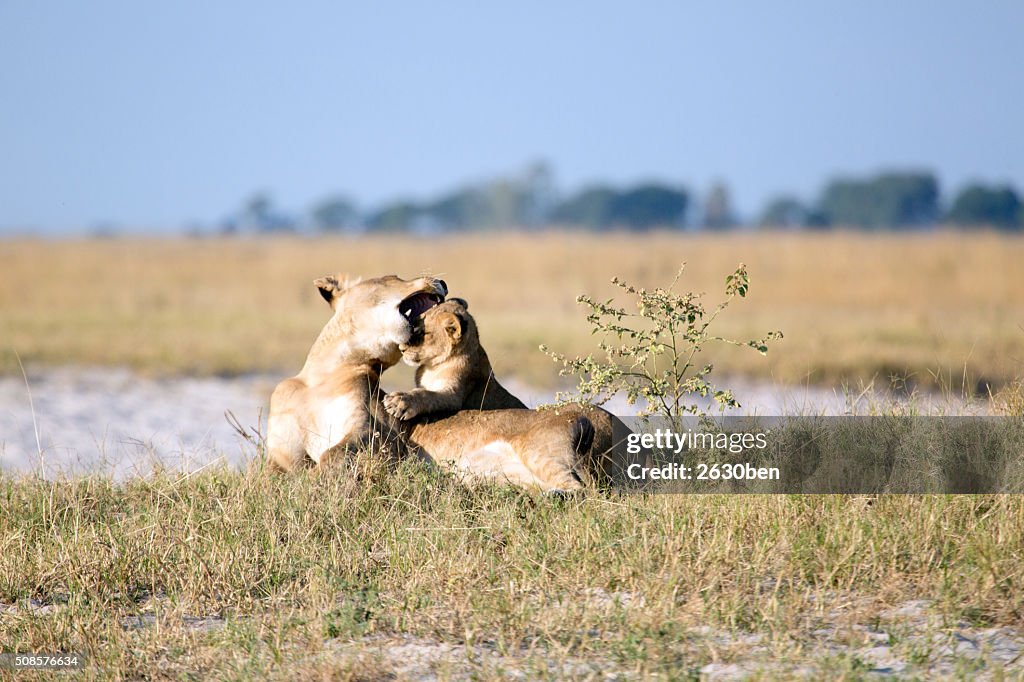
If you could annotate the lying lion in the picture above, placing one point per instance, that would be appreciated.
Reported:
(335, 404)
(453, 373)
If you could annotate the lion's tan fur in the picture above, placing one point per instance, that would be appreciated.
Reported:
(335, 403)
(524, 447)
(453, 372)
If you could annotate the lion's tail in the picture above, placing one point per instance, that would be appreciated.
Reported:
(582, 435)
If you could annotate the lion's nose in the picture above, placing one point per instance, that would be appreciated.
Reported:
(444, 286)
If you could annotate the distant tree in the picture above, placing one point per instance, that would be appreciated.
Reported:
(591, 207)
(462, 209)
(500, 203)
(335, 213)
(541, 194)
(256, 210)
(507, 202)
(817, 220)
(912, 197)
(229, 226)
(641, 207)
(785, 212)
(398, 216)
(887, 200)
(718, 212)
(260, 214)
(104, 229)
(847, 202)
(650, 205)
(982, 205)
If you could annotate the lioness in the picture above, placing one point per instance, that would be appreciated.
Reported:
(335, 400)
(335, 403)
(453, 372)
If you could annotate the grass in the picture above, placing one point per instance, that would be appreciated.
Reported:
(937, 309)
(362, 573)
(367, 573)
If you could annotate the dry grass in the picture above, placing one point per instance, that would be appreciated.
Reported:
(853, 306)
(228, 575)
(373, 574)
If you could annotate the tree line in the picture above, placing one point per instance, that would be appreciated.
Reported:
(531, 200)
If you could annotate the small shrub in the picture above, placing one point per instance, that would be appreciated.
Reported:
(653, 355)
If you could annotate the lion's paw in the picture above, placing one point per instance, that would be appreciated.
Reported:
(400, 405)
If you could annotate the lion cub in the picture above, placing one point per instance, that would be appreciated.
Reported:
(453, 371)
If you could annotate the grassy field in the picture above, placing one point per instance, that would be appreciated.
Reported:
(409, 574)
(366, 573)
(854, 307)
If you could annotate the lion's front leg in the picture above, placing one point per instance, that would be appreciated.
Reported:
(407, 405)
(378, 433)
(342, 427)
(286, 443)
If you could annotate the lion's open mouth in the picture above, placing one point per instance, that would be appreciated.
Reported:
(417, 304)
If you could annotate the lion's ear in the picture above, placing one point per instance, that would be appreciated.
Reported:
(329, 287)
(460, 302)
(452, 326)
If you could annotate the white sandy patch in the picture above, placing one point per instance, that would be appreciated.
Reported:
(115, 421)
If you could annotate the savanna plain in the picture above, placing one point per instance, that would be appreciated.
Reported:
(369, 571)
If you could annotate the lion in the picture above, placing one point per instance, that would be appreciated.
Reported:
(335, 403)
(453, 372)
(528, 448)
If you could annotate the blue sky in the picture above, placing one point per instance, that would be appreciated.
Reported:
(153, 115)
